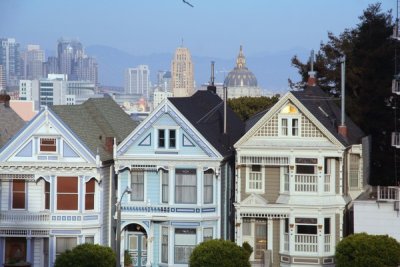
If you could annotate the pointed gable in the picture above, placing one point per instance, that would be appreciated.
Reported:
(10, 124)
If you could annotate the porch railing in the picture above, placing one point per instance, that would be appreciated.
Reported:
(24, 217)
(327, 243)
(306, 183)
(327, 183)
(306, 243)
(286, 242)
(388, 193)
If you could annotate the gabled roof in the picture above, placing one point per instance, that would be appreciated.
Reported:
(10, 124)
(319, 108)
(94, 121)
(205, 111)
(323, 107)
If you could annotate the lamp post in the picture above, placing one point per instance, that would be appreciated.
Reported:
(118, 232)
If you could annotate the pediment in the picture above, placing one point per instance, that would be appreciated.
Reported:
(254, 200)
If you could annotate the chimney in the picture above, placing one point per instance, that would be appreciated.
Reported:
(342, 129)
(211, 87)
(312, 81)
(109, 144)
(4, 98)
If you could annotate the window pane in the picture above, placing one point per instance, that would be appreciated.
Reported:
(185, 241)
(305, 169)
(65, 243)
(208, 187)
(15, 249)
(48, 145)
(137, 185)
(46, 195)
(164, 245)
(172, 138)
(207, 234)
(284, 127)
(89, 201)
(67, 201)
(295, 127)
(185, 186)
(89, 239)
(67, 184)
(18, 196)
(307, 229)
(327, 226)
(90, 186)
(161, 138)
(246, 229)
(165, 180)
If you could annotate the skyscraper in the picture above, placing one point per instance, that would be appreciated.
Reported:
(34, 58)
(137, 80)
(182, 73)
(68, 52)
(10, 59)
(2, 78)
(85, 69)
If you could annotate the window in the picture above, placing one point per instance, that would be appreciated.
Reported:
(185, 241)
(46, 195)
(15, 249)
(354, 166)
(164, 186)
(295, 127)
(207, 234)
(306, 226)
(172, 139)
(18, 194)
(164, 244)
(255, 181)
(89, 196)
(306, 165)
(286, 225)
(67, 193)
(327, 226)
(246, 229)
(137, 185)
(161, 138)
(185, 186)
(289, 121)
(48, 145)
(284, 127)
(65, 243)
(208, 187)
(89, 239)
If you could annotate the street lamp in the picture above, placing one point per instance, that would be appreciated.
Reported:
(127, 190)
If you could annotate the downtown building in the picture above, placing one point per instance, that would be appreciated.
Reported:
(182, 73)
(137, 81)
(10, 60)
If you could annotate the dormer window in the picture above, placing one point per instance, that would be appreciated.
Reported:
(48, 145)
(289, 121)
(166, 138)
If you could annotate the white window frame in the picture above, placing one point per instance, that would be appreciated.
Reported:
(196, 185)
(166, 229)
(132, 187)
(39, 143)
(209, 237)
(290, 119)
(168, 185)
(186, 245)
(248, 172)
(167, 130)
(64, 237)
(212, 186)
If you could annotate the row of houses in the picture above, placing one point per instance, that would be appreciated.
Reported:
(191, 171)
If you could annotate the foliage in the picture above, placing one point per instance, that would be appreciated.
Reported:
(246, 106)
(221, 253)
(246, 246)
(369, 52)
(87, 255)
(127, 258)
(363, 250)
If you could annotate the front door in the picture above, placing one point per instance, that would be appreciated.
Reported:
(138, 248)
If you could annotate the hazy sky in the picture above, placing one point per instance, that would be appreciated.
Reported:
(212, 28)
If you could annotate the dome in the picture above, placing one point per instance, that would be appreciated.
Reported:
(240, 76)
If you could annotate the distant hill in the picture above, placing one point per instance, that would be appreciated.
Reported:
(271, 69)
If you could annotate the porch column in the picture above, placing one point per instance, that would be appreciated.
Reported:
(29, 249)
(292, 233)
(150, 245)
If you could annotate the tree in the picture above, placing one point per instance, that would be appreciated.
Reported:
(246, 106)
(221, 253)
(370, 64)
(363, 250)
(87, 255)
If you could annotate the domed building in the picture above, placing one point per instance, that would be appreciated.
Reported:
(241, 81)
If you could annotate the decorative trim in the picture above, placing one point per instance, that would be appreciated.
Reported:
(264, 160)
(65, 232)
(188, 224)
(146, 141)
(186, 142)
(264, 215)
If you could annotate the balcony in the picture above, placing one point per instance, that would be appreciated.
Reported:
(24, 217)
(388, 193)
(306, 243)
(306, 183)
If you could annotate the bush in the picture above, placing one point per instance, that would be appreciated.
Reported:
(87, 255)
(219, 253)
(363, 250)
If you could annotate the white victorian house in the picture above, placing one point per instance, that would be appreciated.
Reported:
(179, 165)
(55, 180)
(296, 175)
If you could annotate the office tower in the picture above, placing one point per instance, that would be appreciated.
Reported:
(33, 59)
(10, 59)
(182, 73)
(68, 52)
(51, 66)
(137, 80)
(85, 69)
(164, 81)
(2, 78)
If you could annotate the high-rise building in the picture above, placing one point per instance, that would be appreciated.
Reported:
(2, 78)
(51, 66)
(33, 58)
(182, 73)
(137, 80)
(85, 69)
(68, 52)
(10, 59)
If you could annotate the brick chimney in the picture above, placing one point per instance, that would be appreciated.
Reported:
(312, 81)
(4, 98)
(109, 144)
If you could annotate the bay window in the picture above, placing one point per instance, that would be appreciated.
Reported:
(18, 194)
(185, 186)
(137, 185)
(185, 241)
(208, 187)
(67, 193)
(89, 195)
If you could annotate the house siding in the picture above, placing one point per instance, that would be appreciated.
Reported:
(272, 185)
(36, 196)
(243, 194)
(275, 243)
(337, 231)
(337, 178)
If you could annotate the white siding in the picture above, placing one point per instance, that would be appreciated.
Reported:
(5, 190)
(37, 247)
(36, 196)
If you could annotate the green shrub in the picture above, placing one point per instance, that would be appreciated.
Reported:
(219, 253)
(363, 250)
(87, 255)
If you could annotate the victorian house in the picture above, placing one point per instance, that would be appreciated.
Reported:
(56, 181)
(175, 175)
(298, 168)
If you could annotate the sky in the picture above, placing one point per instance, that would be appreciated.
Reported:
(212, 28)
